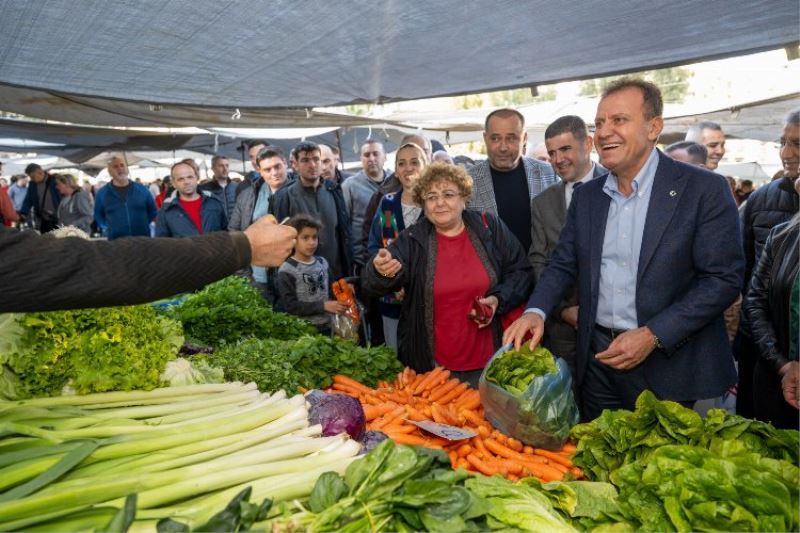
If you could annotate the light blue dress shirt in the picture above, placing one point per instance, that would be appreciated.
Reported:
(261, 208)
(622, 244)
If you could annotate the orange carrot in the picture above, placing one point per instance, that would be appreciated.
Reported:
(414, 414)
(437, 414)
(453, 458)
(569, 448)
(514, 444)
(544, 472)
(399, 427)
(444, 389)
(350, 382)
(453, 394)
(527, 450)
(472, 417)
(577, 472)
(503, 451)
(413, 440)
(464, 450)
(554, 457)
(470, 400)
(480, 448)
(386, 419)
(481, 466)
(350, 391)
(427, 380)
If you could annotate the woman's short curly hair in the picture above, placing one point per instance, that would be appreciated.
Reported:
(439, 172)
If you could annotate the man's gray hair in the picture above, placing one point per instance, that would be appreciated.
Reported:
(793, 117)
(695, 131)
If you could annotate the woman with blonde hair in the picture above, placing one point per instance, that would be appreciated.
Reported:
(75, 208)
(460, 271)
(395, 212)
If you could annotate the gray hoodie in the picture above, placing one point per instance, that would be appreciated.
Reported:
(358, 190)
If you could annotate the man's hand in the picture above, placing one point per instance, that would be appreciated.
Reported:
(270, 243)
(570, 316)
(335, 307)
(386, 265)
(790, 383)
(527, 323)
(492, 302)
(629, 349)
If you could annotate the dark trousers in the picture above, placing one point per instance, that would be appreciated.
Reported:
(604, 387)
(746, 353)
(768, 402)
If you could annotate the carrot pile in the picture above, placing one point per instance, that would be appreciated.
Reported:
(436, 396)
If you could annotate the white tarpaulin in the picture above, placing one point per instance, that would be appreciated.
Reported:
(195, 62)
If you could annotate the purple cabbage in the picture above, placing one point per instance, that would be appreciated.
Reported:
(371, 439)
(337, 413)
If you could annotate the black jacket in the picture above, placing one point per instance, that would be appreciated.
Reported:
(390, 185)
(285, 204)
(767, 304)
(770, 205)
(510, 274)
(40, 273)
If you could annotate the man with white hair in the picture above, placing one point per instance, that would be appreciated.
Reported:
(123, 208)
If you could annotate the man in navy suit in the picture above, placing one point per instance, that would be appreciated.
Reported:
(656, 253)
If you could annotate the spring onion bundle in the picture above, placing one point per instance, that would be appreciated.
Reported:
(70, 462)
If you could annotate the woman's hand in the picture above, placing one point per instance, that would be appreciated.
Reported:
(492, 303)
(790, 383)
(386, 265)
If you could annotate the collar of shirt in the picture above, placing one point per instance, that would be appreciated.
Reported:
(642, 182)
(570, 188)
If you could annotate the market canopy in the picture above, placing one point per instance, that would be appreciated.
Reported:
(196, 62)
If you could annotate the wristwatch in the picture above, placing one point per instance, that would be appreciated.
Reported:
(657, 344)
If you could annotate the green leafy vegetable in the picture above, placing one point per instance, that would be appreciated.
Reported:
(620, 437)
(514, 370)
(181, 372)
(230, 310)
(307, 362)
(400, 488)
(88, 350)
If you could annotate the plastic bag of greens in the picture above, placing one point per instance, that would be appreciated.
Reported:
(528, 395)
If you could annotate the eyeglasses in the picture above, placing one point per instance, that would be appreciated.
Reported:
(448, 196)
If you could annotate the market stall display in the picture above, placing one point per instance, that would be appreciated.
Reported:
(397, 408)
(68, 462)
(368, 446)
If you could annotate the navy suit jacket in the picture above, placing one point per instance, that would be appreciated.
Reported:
(691, 267)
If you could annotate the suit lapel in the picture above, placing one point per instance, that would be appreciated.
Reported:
(560, 205)
(664, 198)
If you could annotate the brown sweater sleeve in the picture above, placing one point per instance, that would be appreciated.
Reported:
(41, 273)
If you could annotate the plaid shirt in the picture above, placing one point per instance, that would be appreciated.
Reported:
(540, 176)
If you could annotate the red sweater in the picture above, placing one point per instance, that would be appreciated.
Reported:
(192, 208)
(460, 277)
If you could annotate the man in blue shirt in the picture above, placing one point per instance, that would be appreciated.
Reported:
(657, 256)
(123, 208)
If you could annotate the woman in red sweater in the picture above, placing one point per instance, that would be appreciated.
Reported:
(444, 263)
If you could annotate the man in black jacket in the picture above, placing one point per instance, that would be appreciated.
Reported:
(322, 199)
(770, 205)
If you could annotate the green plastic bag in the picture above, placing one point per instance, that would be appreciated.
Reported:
(541, 415)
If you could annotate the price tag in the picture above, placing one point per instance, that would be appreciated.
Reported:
(443, 430)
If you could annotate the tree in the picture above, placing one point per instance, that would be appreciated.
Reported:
(673, 83)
